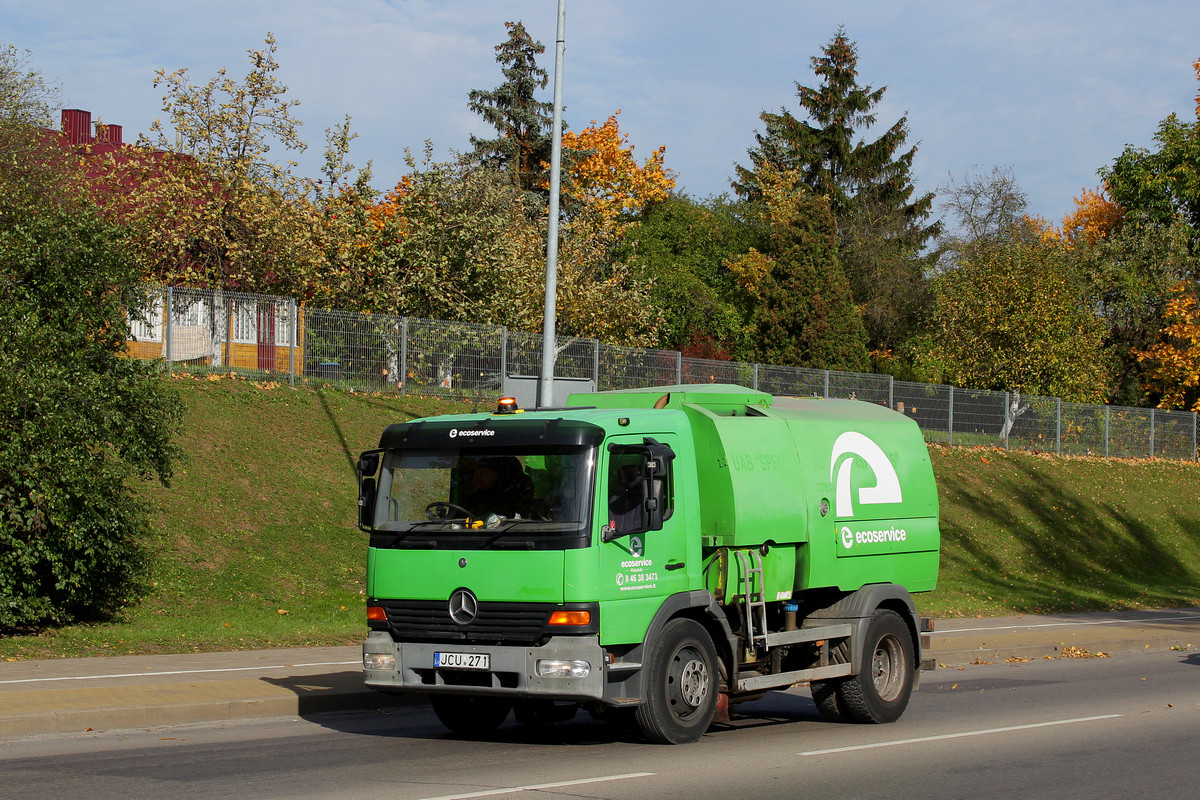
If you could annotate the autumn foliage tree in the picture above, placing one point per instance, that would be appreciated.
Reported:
(215, 209)
(1014, 316)
(1173, 363)
(602, 173)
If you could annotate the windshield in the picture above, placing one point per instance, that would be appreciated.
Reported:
(490, 493)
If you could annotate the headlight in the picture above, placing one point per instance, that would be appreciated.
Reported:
(562, 668)
(379, 661)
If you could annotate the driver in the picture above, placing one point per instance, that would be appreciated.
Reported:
(499, 486)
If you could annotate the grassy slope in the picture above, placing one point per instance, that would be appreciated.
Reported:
(257, 545)
(1023, 532)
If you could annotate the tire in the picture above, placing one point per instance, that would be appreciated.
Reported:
(681, 684)
(470, 716)
(881, 689)
(827, 695)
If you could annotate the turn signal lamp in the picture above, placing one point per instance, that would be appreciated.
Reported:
(507, 405)
(376, 614)
(571, 618)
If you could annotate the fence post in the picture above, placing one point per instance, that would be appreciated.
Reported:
(596, 362)
(826, 394)
(404, 355)
(1006, 430)
(292, 341)
(892, 392)
(167, 329)
(950, 418)
(1058, 425)
(1106, 437)
(755, 386)
(503, 359)
(678, 366)
(1152, 433)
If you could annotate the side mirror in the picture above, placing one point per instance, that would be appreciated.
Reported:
(369, 464)
(654, 505)
(659, 458)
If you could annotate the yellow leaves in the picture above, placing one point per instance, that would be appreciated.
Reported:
(1196, 67)
(605, 174)
(750, 270)
(1175, 359)
(1094, 216)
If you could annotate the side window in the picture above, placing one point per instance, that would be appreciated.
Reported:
(626, 492)
(640, 488)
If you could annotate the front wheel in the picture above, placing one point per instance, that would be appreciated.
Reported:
(681, 684)
(470, 716)
(881, 689)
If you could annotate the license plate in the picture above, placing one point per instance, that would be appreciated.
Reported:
(463, 660)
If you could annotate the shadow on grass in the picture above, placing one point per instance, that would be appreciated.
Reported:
(1039, 535)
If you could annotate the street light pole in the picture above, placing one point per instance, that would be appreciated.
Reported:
(546, 382)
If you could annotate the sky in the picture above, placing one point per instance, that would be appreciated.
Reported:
(1053, 90)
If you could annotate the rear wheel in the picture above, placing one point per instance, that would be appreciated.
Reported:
(681, 684)
(827, 696)
(470, 716)
(881, 689)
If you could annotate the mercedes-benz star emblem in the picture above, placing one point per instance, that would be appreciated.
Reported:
(463, 606)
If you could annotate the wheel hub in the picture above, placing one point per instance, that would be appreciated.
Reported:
(690, 680)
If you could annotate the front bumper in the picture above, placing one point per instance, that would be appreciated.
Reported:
(512, 672)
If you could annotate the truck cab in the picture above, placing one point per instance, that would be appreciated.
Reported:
(661, 552)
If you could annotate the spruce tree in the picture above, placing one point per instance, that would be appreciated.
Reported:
(882, 227)
(523, 123)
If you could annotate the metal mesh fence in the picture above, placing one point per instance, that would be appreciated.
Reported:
(214, 330)
(793, 381)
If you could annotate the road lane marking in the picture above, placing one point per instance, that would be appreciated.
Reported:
(957, 735)
(542, 786)
(182, 672)
(1072, 623)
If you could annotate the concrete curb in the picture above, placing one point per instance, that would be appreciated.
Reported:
(975, 641)
(93, 694)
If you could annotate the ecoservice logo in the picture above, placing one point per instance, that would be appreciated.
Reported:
(851, 445)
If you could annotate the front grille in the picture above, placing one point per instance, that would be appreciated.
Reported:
(496, 623)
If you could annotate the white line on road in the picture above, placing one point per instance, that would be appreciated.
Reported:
(956, 735)
(183, 672)
(1070, 623)
(541, 786)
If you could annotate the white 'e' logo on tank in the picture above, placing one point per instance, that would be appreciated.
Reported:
(887, 484)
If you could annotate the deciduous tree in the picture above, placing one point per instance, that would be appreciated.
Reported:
(1157, 185)
(79, 422)
(1014, 316)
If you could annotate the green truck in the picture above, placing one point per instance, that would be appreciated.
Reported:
(658, 553)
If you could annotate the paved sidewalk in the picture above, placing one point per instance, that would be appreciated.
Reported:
(83, 694)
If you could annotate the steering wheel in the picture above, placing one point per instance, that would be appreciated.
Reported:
(440, 509)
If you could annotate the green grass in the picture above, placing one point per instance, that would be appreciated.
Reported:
(1030, 533)
(255, 540)
(256, 544)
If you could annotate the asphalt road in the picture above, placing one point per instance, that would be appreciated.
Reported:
(1120, 727)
